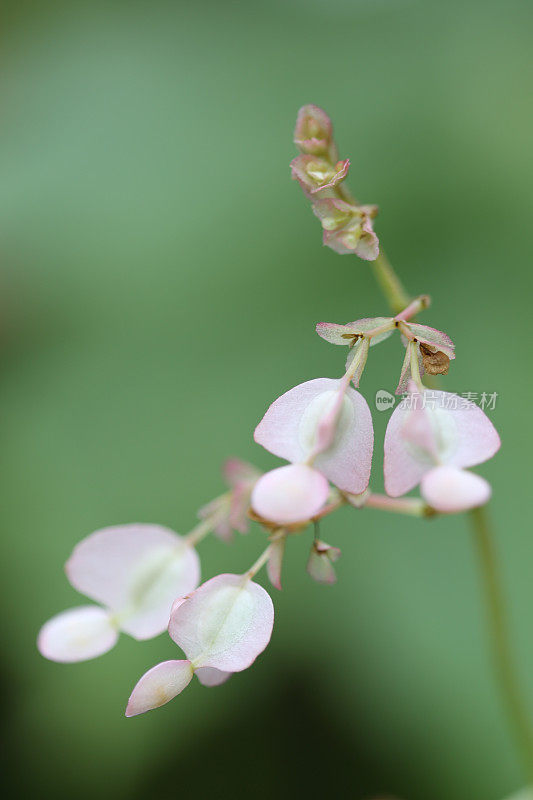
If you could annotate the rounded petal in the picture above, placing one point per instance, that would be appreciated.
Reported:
(209, 676)
(136, 571)
(77, 635)
(343, 334)
(433, 337)
(453, 431)
(289, 429)
(450, 490)
(225, 624)
(294, 493)
(159, 685)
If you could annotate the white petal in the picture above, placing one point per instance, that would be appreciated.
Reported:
(159, 685)
(290, 494)
(454, 431)
(77, 634)
(137, 571)
(225, 624)
(209, 676)
(450, 490)
(289, 430)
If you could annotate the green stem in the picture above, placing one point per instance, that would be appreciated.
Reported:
(499, 633)
(398, 298)
(391, 285)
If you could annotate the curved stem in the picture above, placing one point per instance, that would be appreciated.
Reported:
(390, 283)
(499, 633)
(493, 592)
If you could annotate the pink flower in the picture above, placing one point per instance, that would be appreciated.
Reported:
(430, 439)
(290, 494)
(135, 572)
(315, 174)
(348, 228)
(231, 509)
(222, 628)
(322, 420)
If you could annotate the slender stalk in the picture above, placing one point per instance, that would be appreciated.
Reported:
(412, 506)
(500, 640)
(390, 283)
(261, 561)
(208, 524)
(504, 666)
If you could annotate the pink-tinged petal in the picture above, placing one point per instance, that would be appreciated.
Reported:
(353, 240)
(335, 214)
(289, 430)
(77, 635)
(320, 563)
(178, 602)
(473, 440)
(275, 562)
(368, 245)
(136, 571)
(240, 505)
(231, 509)
(225, 624)
(159, 685)
(336, 334)
(450, 490)
(348, 228)
(405, 464)
(345, 334)
(419, 432)
(314, 132)
(405, 375)
(315, 174)
(209, 676)
(356, 361)
(432, 337)
(290, 494)
(236, 472)
(463, 436)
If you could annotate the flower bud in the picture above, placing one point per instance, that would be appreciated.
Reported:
(315, 174)
(348, 228)
(320, 563)
(314, 132)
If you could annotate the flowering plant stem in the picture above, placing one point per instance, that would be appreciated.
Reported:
(499, 633)
(390, 284)
(493, 593)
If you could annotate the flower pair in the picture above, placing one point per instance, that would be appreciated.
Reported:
(325, 430)
(136, 572)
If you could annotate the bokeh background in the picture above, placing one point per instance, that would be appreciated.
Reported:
(160, 279)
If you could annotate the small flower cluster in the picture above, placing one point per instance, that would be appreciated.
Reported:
(145, 578)
(347, 225)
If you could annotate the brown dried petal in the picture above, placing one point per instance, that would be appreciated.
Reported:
(435, 362)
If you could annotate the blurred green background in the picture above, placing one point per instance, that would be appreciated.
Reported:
(160, 281)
